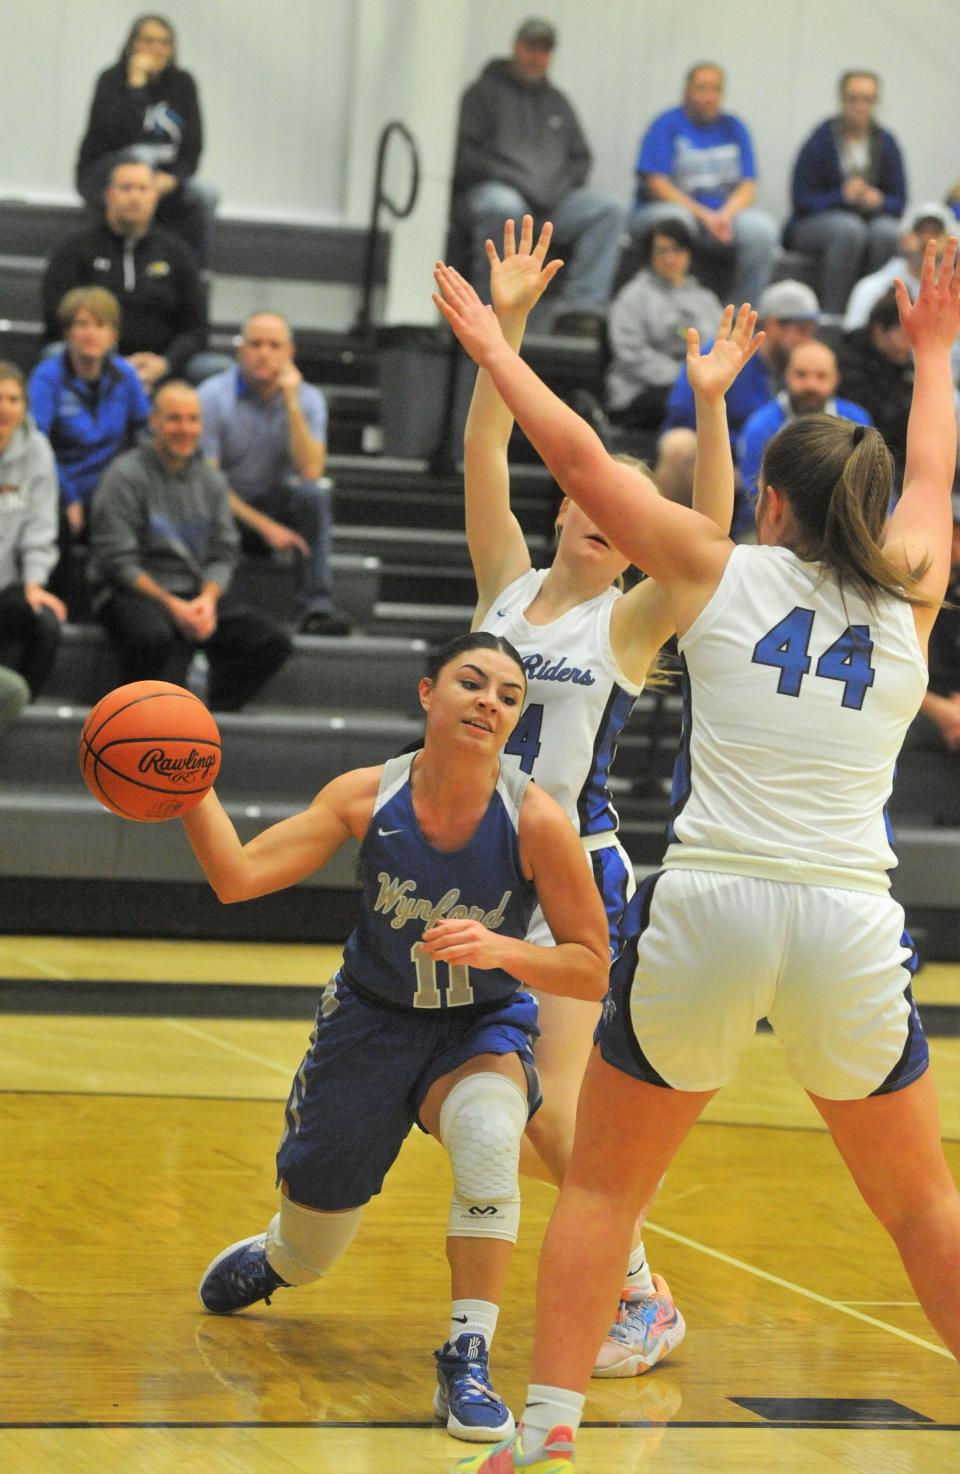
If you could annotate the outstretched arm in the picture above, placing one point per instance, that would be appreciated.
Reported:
(664, 540)
(498, 549)
(286, 852)
(710, 376)
(921, 526)
(645, 617)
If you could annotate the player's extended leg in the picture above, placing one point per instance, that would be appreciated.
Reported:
(299, 1246)
(646, 1325)
(891, 1143)
(479, 1113)
(627, 1134)
(334, 1153)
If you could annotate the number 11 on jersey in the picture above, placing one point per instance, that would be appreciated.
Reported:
(459, 988)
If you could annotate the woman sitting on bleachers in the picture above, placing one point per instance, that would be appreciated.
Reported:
(647, 328)
(147, 106)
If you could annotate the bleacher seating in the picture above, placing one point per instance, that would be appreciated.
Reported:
(401, 570)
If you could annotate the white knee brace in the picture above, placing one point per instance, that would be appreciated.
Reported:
(482, 1122)
(302, 1243)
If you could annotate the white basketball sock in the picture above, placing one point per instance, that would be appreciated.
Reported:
(548, 1408)
(638, 1272)
(477, 1317)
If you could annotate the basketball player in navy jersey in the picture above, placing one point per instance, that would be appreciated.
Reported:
(427, 1021)
(805, 662)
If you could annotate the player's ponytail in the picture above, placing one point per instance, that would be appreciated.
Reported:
(838, 478)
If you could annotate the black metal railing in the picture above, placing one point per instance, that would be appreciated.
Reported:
(383, 201)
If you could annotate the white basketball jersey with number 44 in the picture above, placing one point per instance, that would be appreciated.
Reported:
(796, 702)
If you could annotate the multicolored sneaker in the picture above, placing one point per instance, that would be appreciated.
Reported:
(239, 1276)
(556, 1456)
(647, 1328)
(464, 1399)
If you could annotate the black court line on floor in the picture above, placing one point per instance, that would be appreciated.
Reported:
(820, 1410)
(281, 1001)
(737, 1425)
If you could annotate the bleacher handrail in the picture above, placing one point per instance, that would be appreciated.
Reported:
(382, 200)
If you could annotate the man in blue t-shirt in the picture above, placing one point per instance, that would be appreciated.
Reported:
(696, 164)
(267, 430)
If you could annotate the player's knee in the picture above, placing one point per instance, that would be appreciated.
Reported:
(481, 1125)
(302, 1243)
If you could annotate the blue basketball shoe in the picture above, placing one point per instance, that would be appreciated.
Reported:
(239, 1276)
(464, 1399)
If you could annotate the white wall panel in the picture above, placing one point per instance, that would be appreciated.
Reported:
(283, 83)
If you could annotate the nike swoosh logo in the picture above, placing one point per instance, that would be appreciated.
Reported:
(384, 832)
(462, 1319)
(502, 613)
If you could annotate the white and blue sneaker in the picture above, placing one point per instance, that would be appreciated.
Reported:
(239, 1276)
(464, 1399)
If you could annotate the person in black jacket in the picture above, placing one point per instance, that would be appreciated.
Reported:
(146, 106)
(521, 150)
(876, 370)
(152, 274)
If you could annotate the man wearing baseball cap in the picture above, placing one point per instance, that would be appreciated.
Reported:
(521, 150)
(930, 221)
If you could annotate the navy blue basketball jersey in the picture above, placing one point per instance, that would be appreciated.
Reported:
(408, 885)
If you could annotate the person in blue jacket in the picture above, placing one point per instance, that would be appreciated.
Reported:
(86, 399)
(849, 192)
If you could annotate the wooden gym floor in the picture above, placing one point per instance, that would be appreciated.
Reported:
(135, 1147)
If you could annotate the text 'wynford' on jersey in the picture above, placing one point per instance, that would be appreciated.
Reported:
(578, 699)
(796, 702)
(408, 885)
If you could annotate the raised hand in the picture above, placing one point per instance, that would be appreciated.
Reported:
(933, 320)
(711, 374)
(475, 325)
(519, 278)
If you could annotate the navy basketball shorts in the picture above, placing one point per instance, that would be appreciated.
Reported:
(363, 1079)
(709, 954)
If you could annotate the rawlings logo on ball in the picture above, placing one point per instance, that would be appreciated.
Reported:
(150, 751)
(177, 769)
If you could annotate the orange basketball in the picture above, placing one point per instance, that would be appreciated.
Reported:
(149, 751)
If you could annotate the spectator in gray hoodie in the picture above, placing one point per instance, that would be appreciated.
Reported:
(521, 150)
(647, 328)
(164, 547)
(30, 616)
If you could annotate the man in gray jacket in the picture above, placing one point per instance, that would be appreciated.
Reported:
(164, 546)
(521, 150)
